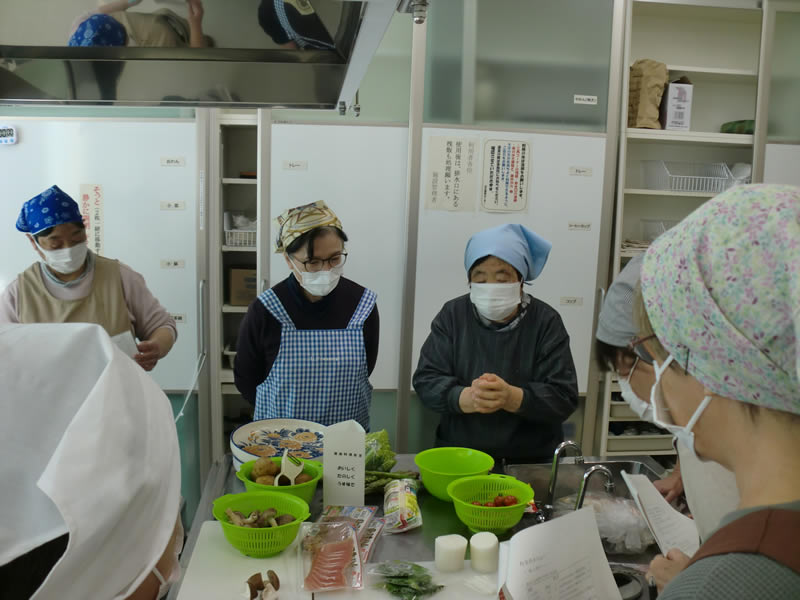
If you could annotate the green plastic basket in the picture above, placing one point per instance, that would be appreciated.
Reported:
(260, 542)
(440, 466)
(304, 491)
(484, 488)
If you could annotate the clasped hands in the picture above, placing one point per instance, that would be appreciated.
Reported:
(490, 393)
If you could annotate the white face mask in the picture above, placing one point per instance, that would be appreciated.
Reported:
(495, 301)
(65, 260)
(637, 405)
(662, 418)
(175, 574)
(320, 283)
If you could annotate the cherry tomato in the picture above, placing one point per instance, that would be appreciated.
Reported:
(490, 504)
(476, 503)
(499, 501)
(510, 500)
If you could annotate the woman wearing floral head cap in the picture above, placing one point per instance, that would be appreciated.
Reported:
(720, 314)
(307, 346)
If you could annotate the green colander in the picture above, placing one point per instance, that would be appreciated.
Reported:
(484, 488)
(266, 541)
(304, 491)
(439, 466)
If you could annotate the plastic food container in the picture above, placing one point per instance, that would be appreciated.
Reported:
(304, 491)
(484, 488)
(266, 541)
(440, 466)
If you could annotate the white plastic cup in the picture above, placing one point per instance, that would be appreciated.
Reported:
(449, 552)
(484, 552)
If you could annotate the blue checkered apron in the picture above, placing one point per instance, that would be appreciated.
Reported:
(319, 374)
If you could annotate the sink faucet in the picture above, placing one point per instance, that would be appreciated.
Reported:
(560, 449)
(609, 485)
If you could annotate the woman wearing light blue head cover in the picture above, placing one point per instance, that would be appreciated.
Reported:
(497, 364)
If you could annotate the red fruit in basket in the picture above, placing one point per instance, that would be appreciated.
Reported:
(510, 500)
(476, 503)
(490, 504)
(499, 501)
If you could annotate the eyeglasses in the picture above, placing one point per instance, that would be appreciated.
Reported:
(317, 264)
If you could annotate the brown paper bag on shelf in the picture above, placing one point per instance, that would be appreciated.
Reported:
(647, 80)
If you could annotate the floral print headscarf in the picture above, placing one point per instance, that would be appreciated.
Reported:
(722, 291)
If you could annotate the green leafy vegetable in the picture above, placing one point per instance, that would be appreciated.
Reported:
(406, 580)
(378, 455)
(375, 481)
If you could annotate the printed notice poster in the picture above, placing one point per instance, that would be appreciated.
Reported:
(452, 173)
(506, 168)
(92, 211)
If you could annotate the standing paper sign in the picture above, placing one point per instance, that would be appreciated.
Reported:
(343, 471)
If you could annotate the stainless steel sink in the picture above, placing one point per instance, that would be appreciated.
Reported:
(570, 474)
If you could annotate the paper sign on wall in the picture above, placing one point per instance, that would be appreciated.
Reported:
(343, 473)
(506, 168)
(452, 178)
(92, 213)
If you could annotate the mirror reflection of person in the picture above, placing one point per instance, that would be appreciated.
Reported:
(72, 284)
(113, 25)
(497, 364)
(91, 470)
(294, 24)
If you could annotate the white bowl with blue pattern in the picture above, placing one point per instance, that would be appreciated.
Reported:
(269, 437)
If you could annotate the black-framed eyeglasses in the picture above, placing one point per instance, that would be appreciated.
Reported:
(314, 265)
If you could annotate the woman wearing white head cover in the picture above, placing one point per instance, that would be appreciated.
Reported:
(90, 452)
(710, 488)
(719, 310)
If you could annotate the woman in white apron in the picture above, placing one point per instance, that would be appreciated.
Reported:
(307, 346)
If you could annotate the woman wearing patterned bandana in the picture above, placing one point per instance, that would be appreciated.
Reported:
(720, 313)
(112, 25)
(74, 285)
(307, 346)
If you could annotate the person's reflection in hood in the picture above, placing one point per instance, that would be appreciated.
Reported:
(294, 24)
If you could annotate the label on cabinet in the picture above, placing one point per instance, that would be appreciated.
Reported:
(580, 171)
(579, 226)
(173, 161)
(584, 99)
(173, 205)
(173, 264)
(571, 301)
(295, 165)
(179, 318)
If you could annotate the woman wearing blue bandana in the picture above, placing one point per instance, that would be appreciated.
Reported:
(74, 285)
(497, 364)
(111, 25)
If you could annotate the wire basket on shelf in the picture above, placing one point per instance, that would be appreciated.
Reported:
(236, 237)
(687, 176)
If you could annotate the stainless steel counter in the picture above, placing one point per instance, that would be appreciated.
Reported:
(439, 518)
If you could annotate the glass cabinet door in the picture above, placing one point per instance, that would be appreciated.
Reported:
(510, 63)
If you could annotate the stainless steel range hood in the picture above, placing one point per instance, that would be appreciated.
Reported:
(259, 72)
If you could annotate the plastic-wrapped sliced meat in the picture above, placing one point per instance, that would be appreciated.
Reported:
(330, 557)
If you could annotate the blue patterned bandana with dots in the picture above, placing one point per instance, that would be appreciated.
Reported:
(50, 208)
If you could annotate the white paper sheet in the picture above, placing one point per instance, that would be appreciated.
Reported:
(126, 343)
(343, 474)
(670, 528)
(562, 559)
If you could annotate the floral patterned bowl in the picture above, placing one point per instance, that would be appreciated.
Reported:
(270, 437)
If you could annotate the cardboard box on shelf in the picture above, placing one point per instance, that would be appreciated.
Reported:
(676, 105)
(243, 287)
